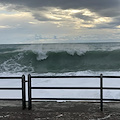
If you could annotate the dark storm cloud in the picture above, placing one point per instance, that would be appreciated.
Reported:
(38, 8)
(110, 12)
(41, 17)
(103, 7)
(84, 17)
(115, 22)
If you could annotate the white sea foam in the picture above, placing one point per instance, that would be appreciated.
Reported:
(11, 65)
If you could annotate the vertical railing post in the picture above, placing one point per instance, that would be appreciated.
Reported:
(23, 93)
(29, 92)
(101, 92)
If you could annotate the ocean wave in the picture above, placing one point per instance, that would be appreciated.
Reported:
(43, 50)
(61, 58)
(61, 61)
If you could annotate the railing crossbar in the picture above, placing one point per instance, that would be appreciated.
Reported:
(10, 88)
(65, 87)
(11, 99)
(107, 88)
(65, 99)
(11, 78)
(89, 99)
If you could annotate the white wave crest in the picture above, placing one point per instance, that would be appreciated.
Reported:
(42, 49)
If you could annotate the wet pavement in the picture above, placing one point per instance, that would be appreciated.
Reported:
(12, 110)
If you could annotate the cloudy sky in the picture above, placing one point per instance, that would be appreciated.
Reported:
(59, 21)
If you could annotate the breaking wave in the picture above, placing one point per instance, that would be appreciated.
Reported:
(58, 58)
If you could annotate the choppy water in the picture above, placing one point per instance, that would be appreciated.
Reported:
(59, 58)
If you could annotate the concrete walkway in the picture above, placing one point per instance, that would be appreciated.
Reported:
(11, 110)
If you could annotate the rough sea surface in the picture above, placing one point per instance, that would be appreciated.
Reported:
(59, 58)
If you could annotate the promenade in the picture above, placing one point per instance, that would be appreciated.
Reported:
(11, 110)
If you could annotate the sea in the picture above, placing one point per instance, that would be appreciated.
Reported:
(64, 59)
(59, 58)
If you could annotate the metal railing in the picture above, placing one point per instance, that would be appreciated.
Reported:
(101, 88)
(22, 88)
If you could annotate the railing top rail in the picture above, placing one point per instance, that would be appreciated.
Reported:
(111, 76)
(74, 76)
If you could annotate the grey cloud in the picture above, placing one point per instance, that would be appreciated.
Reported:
(105, 8)
(102, 7)
(110, 12)
(115, 22)
(105, 26)
(84, 17)
(41, 17)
